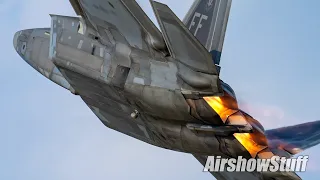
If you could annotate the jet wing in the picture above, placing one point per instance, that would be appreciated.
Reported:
(110, 106)
(182, 45)
(124, 20)
(248, 175)
(114, 119)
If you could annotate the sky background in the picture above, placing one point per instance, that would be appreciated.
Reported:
(270, 58)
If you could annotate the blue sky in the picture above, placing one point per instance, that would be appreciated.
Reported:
(270, 58)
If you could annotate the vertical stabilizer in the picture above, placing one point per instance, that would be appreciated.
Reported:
(207, 20)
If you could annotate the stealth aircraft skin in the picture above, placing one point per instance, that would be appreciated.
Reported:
(162, 88)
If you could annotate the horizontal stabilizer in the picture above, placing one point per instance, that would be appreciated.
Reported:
(295, 139)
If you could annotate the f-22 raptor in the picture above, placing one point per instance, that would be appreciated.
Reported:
(160, 87)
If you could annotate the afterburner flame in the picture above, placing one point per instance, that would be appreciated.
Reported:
(216, 104)
(219, 106)
(226, 106)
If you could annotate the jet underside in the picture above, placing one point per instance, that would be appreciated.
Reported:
(160, 88)
(125, 81)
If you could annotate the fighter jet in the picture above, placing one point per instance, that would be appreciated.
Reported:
(160, 87)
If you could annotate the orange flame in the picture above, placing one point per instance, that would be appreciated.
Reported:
(226, 106)
(217, 104)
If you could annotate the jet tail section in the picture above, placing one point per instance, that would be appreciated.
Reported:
(182, 45)
(207, 20)
(195, 66)
(294, 139)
